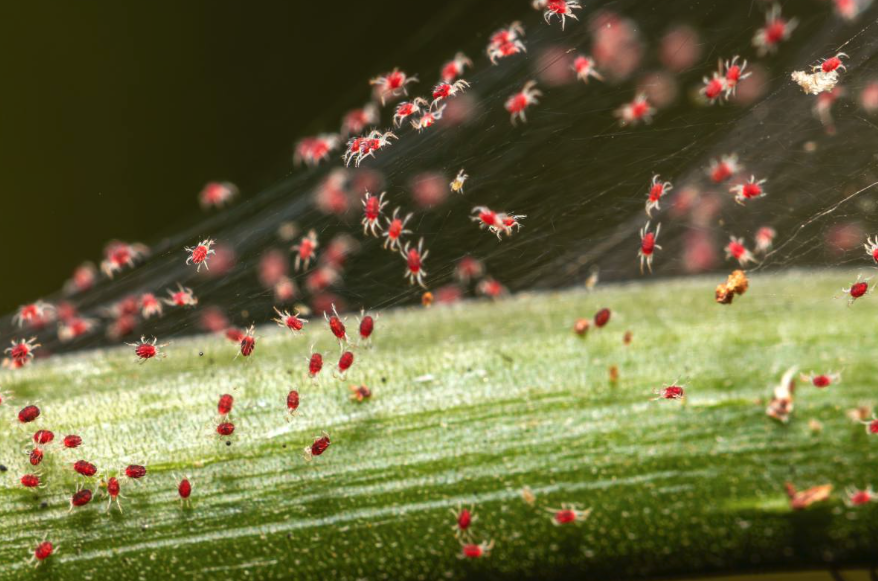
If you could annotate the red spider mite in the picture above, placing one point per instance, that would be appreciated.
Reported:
(580, 327)
(734, 73)
(28, 414)
(150, 305)
(305, 250)
(736, 249)
(584, 67)
(80, 498)
(135, 471)
(463, 518)
(648, 246)
(225, 429)
(517, 103)
(407, 109)
(360, 392)
(657, 190)
(356, 120)
(563, 9)
(182, 297)
(336, 325)
(234, 335)
(224, 406)
(216, 194)
(568, 514)
(43, 436)
(85, 468)
(363, 147)
(428, 119)
(145, 349)
(292, 322)
(395, 231)
(821, 380)
(184, 489)
(506, 42)
(33, 314)
(372, 208)
(455, 67)
(199, 253)
(748, 190)
(775, 31)
(414, 262)
(292, 401)
(857, 497)
(72, 441)
(724, 168)
(393, 84)
(445, 90)
(636, 111)
(860, 288)
(35, 456)
(313, 150)
(345, 362)
(871, 247)
(22, 351)
(715, 88)
(113, 492)
(764, 239)
(248, 342)
(831, 64)
(43, 551)
(318, 447)
(473, 551)
(669, 392)
(30, 481)
(118, 255)
(602, 317)
(315, 364)
(367, 326)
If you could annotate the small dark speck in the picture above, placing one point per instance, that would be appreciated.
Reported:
(289, 535)
(3, 468)
(201, 353)
(469, 369)
(144, 527)
(228, 443)
(383, 380)
(284, 446)
(44, 504)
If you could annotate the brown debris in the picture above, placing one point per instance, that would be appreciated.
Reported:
(737, 284)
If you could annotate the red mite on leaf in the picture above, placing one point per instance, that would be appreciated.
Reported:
(80, 498)
(43, 551)
(43, 436)
(224, 407)
(292, 322)
(113, 492)
(602, 317)
(345, 362)
(336, 325)
(135, 471)
(85, 468)
(28, 414)
(248, 342)
(225, 429)
(669, 392)
(22, 351)
(72, 441)
(199, 254)
(146, 349)
(315, 364)
(35, 457)
(184, 489)
(318, 447)
(292, 401)
(473, 551)
(463, 518)
(30, 481)
(568, 514)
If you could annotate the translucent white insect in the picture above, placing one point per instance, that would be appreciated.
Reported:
(455, 67)
(363, 147)
(414, 259)
(446, 90)
(393, 84)
(182, 297)
(506, 42)
(372, 208)
(748, 190)
(428, 119)
(199, 254)
(648, 246)
(407, 109)
(457, 184)
(815, 83)
(776, 30)
(396, 230)
(736, 249)
(305, 250)
(563, 9)
(517, 103)
(312, 150)
(657, 190)
(33, 314)
(636, 111)
(584, 67)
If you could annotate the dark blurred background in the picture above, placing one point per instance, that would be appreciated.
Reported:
(114, 115)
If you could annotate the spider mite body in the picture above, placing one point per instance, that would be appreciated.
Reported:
(85, 468)
(832, 64)
(135, 471)
(35, 457)
(184, 489)
(393, 84)
(248, 342)
(182, 297)
(764, 239)
(113, 492)
(657, 190)
(313, 150)
(363, 147)
(857, 497)
(648, 246)
(336, 325)
(29, 413)
(225, 404)
(776, 30)
(445, 90)
(150, 305)
(345, 362)
(43, 551)
(455, 67)
(72, 441)
(871, 247)
(367, 327)
(736, 249)
(563, 9)
(372, 208)
(22, 351)
(584, 68)
(860, 288)
(292, 401)
(305, 250)
(292, 322)
(476, 551)
(315, 365)
(225, 429)
(33, 314)
(602, 317)
(463, 519)
(407, 109)
(118, 255)
(80, 498)
(517, 103)
(414, 263)
(722, 169)
(145, 349)
(30, 481)
(734, 73)
(821, 380)
(395, 231)
(217, 195)
(428, 119)
(199, 254)
(43, 437)
(568, 514)
(456, 185)
(506, 42)
(318, 447)
(748, 190)
(357, 120)
(360, 393)
(634, 112)
(669, 392)
(715, 88)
